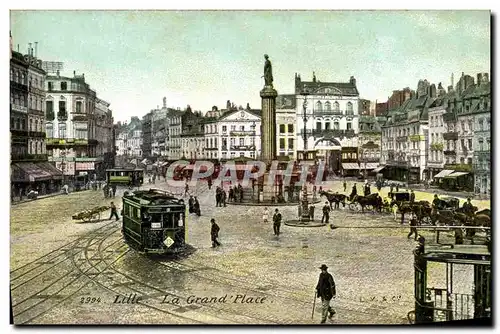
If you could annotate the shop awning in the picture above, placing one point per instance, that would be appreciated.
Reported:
(350, 165)
(456, 174)
(34, 172)
(369, 165)
(56, 173)
(443, 173)
(378, 169)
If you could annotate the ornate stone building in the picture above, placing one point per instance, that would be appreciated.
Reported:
(286, 120)
(331, 127)
(370, 136)
(435, 160)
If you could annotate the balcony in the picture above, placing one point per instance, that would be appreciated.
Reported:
(329, 133)
(89, 159)
(449, 117)
(243, 148)
(241, 133)
(70, 142)
(435, 163)
(459, 167)
(224, 148)
(398, 163)
(331, 113)
(450, 136)
(80, 117)
(450, 152)
(437, 147)
(18, 108)
(369, 159)
(29, 157)
(38, 134)
(401, 138)
(414, 138)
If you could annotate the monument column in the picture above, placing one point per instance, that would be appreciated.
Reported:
(268, 135)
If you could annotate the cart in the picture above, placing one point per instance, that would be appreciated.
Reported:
(93, 214)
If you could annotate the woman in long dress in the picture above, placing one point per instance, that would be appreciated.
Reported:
(265, 216)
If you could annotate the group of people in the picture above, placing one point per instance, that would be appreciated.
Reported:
(277, 218)
(109, 191)
(220, 197)
(236, 193)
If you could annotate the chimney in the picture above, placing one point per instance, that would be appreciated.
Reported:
(36, 48)
(352, 80)
(74, 73)
(164, 102)
(432, 91)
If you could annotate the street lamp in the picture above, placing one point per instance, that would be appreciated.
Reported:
(305, 93)
(253, 126)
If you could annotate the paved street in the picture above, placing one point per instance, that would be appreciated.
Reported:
(58, 263)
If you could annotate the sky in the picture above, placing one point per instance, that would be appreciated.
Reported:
(203, 58)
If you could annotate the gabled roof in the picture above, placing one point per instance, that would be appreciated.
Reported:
(286, 101)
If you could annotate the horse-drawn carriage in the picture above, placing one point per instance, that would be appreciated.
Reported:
(93, 214)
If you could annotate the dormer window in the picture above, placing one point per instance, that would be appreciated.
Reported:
(64, 85)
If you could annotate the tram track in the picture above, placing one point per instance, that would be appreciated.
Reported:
(57, 296)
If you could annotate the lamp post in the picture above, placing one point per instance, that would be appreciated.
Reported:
(253, 126)
(305, 93)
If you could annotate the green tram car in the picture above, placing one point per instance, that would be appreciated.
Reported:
(154, 221)
(125, 176)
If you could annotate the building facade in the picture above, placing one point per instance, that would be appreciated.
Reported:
(370, 137)
(129, 139)
(104, 125)
(332, 120)
(482, 136)
(286, 120)
(435, 160)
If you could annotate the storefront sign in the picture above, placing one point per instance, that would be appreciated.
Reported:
(67, 166)
(85, 166)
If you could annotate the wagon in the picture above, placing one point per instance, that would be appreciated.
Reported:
(90, 215)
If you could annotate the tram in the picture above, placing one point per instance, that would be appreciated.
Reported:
(438, 297)
(154, 221)
(125, 176)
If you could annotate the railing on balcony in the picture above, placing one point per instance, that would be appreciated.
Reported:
(331, 112)
(401, 163)
(449, 117)
(401, 138)
(333, 133)
(243, 147)
(450, 136)
(416, 137)
(450, 152)
(459, 167)
(437, 147)
(29, 157)
(242, 133)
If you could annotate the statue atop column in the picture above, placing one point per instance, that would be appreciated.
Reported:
(268, 72)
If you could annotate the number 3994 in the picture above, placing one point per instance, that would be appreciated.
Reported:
(90, 300)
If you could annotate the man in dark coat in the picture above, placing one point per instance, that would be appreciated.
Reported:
(326, 213)
(354, 191)
(214, 233)
(223, 197)
(413, 228)
(325, 289)
(345, 185)
(114, 212)
(468, 207)
(196, 207)
(191, 204)
(276, 222)
(412, 197)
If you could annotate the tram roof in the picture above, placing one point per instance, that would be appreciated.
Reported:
(153, 195)
(463, 254)
(124, 169)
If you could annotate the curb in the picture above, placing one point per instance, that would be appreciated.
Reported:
(268, 204)
(297, 223)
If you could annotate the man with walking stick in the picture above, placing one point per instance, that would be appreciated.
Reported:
(326, 291)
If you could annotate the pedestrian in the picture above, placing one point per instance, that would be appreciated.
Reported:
(354, 192)
(224, 197)
(186, 188)
(113, 188)
(397, 187)
(300, 211)
(196, 207)
(191, 204)
(345, 185)
(311, 212)
(214, 233)
(413, 228)
(326, 213)
(412, 196)
(276, 222)
(65, 189)
(114, 212)
(325, 289)
(209, 183)
(265, 216)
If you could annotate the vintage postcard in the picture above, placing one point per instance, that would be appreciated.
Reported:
(250, 167)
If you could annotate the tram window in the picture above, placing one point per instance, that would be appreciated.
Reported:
(137, 214)
(125, 211)
(156, 217)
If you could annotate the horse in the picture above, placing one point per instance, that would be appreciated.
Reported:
(337, 198)
(401, 207)
(373, 200)
(449, 203)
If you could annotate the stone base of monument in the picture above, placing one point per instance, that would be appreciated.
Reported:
(253, 198)
(303, 223)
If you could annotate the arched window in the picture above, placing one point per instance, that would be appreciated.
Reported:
(480, 140)
(349, 108)
(17, 76)
(328, 106)
(319, 106)
(31, 125)
(36, 126)
(336, 106)
(36, 83)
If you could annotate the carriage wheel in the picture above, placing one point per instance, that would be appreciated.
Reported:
(427, 220)
(369, 208)
(353, 206)
(96, 217)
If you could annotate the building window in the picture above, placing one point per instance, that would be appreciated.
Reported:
(51, 86)
(469, 161)
(224, 128)
(336, 126)
(282, 143)
(319, 107)
(64, 85)
(79, 107)
(327, 125)
(336, 106)
(290, 143)
(282, 128)
(290, 128)
(470, 144)
(349, 125)
(62, 130)
(242, 141)
(349, 110)
(480, 123)
(252, 154)
(81, 133)
(480, 142)
(318, 126)
(233, 141)
(242, 128)
(328, 106)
